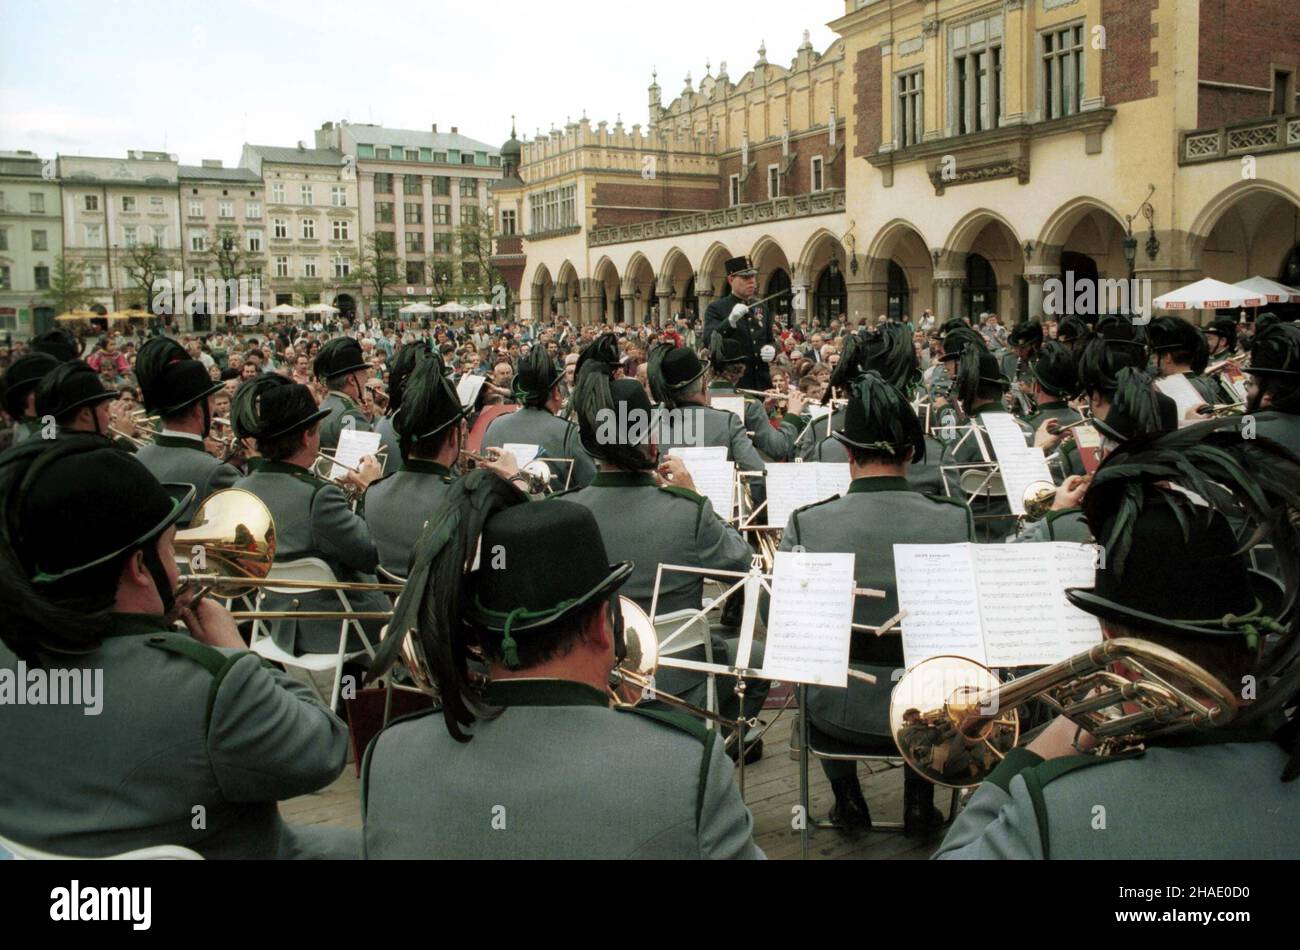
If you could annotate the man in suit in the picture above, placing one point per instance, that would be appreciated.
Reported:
(537, 764)
(312, 517)
(177, 737)
(536, 387)
(176, 388)
(342, 367)
(753, 328)
(650, 513)
(882, 435)
(1226, 790)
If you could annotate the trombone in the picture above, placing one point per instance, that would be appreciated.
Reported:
(954, 722)
(231, 544)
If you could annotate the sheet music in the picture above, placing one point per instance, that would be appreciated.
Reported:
(792, 485)
(733, 404)
(1088, 441)
(1180, 389)
(715, 480)
(523, 452)
(936, 586)
(1021, 465)
(810, 622)
(703, 453)
(1001, 605)
(818, 411)
(353, 446)
(468, 389)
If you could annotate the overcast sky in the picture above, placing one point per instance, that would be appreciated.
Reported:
(99, 77)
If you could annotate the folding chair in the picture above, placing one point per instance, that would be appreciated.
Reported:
(310, 569)
(674, 639)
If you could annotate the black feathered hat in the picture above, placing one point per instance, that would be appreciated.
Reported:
(286, 408)
(879, 419)
(535, 378)
(725, 351)
(338, 357)
(1055, 370)
(960, 338)
(671, 369)
(1275, 351)
(67, 388)
(430, 406)
(1026, 333)
(399, 371)
(59, 343)
(615, 418)
(1225, 328)
(1137, 408)
(21, 378)
(170, 381)
(976, 370)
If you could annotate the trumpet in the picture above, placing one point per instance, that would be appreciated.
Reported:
(953, 721)
(230, 545)
(765, 395)
(135, 440)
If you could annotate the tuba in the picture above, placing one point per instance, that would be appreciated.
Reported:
(954, 722)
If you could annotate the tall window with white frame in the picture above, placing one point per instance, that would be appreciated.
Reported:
(734, 190)
(910, 114)
(977, 90)
(774, 181)
(508, 224)
(1062, 71)
(817, 173)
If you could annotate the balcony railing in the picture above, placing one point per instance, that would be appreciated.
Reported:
(778, 209)
(1277, 133)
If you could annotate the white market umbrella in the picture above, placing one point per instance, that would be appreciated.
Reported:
(1208, 294)
(482, 308)
(321, 308)
(285, 310)
(1271, 290)
(416, 309)
(244, 310)
(452, 308)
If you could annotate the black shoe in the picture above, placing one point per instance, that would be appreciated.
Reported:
(920, 817)
(753, 751)
(850, 813)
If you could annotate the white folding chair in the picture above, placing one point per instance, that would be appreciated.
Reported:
(310, 569)
(159, 852)
(677, 636)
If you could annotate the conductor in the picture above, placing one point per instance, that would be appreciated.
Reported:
(733, 317)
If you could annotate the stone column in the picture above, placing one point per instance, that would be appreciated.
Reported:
(590, 301)
(629, 307)
(664, 313)
(947, 297)
(1035, 282)
(800, 303)
(877, 299)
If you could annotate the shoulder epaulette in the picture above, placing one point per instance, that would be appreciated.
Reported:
(1038, 777)
(217, 664)
(679, 721)
(794, 515)
(686, 493)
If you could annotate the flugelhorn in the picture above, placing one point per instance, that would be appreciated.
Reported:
(954, 722)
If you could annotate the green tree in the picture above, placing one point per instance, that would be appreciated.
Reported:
(476, 275)
(68, 284)
(145, 265)
(378, 267)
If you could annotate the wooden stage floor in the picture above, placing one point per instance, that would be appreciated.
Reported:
(772, 792)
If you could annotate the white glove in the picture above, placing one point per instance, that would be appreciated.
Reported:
(738, 313)
(767, 353)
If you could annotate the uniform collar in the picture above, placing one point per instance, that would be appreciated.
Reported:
(282, 468)
(1055, 404)
(425, 467)
(991, 407)
(544, 692)
(179, 440)
(720, 386)
(623, 480)
(863, 486)
(341, 397)
(136, 625)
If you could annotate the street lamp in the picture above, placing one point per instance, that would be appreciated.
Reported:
(1131, 253)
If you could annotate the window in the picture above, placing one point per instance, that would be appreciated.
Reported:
(309, 229)
(442, 214)
(976, 86)
(733, 190)
(95, 275)
(440, 158)
(383, 183)
(254, 241)
(282, 267)
(442, 244)
(304, 192)
(508, 224)
(411, 185)
(1062, 71)
(42, 274)
(339, 196)
(226, 210)
(412, 154)
(198, 241)
(92, 202)
(159, 235)
(41, 242)
(383, 212)
(469, 215)
(277, 192)
(128, 203)
(253, 210)
(280, 229)
(156, 203)
(37, 201)
(94, 236)
(385, 241)
(196, 208)
(4, 239)
(414, 242)
(910, 114)
(198, 273)
(342, 266)
(309, 268)
(414, 213)
(415, 272)
(818, 173)
(469, 188)
(441, 186)
(774, 181)
(129, 236)
(340, 230)
(4, 277)
(1282, 97)
(381, 154)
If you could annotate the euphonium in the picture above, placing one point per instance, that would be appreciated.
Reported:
(953, 721)
(1038, 499)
